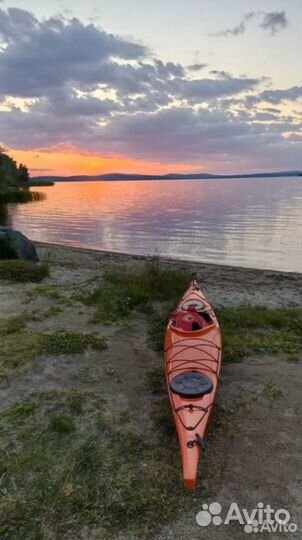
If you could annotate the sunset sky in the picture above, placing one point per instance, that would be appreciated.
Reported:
(151, 86)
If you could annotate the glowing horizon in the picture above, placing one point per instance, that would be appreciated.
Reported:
(71, 163)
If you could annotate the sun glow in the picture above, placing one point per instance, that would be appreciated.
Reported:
(68, 162)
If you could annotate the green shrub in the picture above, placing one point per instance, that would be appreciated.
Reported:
(123, 290)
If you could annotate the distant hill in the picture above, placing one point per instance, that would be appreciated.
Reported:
(111, 177)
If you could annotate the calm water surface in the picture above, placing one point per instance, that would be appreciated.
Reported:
(242, 222)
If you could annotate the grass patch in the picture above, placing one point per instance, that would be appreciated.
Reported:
(245, 399)
(256, 330)
(21, 412)
(62, 475)
(246, 331)
(155, 380)
(272, 392)
(76, 401)
(221, 421)
(162, 417)
(153, 282)
(156, 330)
(111, 304)
(51, 312)
(260, 317)
(19, 347)
(123, 291)
(61, 423)
(11, 325)
(23, 271)
(242, 344)
(71, 343)
(49, 292)
(39, 315)
(7, 251)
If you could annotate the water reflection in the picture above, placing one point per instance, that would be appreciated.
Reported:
(245, 222)
(4, 217)
(37, 196)
(22, 196)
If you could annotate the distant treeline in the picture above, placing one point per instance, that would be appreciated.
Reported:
(12, 175)
(111, 177)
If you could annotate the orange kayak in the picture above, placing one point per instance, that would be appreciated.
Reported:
(192, 365)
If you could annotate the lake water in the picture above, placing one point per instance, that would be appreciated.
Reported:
(243, 222)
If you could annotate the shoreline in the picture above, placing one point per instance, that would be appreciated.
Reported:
(165, 259)
(223, 285)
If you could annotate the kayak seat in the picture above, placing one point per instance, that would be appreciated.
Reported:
(191, 385)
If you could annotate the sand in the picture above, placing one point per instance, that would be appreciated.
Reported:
(223, 285)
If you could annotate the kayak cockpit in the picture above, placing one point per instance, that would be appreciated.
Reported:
(191, 317)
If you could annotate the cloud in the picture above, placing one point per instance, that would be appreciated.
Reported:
(86, 89)
(275, 96)
(265, 116)
(51, 53)
(13, 21)
(196, 67)
(54, 57)
(272, 110)
(274, 21)
(238, 29)
(196, 91)
(235, 31)
(179, 135)
(65, 103)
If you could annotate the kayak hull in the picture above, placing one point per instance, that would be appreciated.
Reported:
(194, 353)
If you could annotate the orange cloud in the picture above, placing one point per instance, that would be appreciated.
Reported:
(70, 162)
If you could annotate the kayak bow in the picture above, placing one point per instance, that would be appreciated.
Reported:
(192, 365)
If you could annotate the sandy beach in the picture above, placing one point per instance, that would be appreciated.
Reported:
(252, 452)
(222, 284)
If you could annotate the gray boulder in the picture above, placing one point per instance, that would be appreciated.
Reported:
(20, 245)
